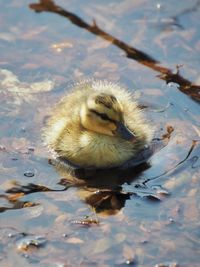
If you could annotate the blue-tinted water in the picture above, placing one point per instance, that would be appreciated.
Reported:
(151, 219)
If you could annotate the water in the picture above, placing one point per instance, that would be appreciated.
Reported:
(145, 218)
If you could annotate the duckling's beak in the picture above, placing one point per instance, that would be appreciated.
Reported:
(123, 132)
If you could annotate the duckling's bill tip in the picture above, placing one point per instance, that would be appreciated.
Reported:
(123, 132)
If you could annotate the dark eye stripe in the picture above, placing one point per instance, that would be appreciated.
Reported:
(103, 116)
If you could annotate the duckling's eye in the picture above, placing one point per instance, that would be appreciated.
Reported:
(103, 116)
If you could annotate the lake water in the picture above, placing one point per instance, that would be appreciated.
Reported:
(149, 217)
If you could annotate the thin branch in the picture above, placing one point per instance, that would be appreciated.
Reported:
(166, 74)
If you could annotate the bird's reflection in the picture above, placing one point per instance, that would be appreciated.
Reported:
(102, 189)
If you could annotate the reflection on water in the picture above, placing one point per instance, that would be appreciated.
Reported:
(102, 189)
(147, 215)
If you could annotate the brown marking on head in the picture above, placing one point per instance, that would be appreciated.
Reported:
(106, 100)
(101, 113)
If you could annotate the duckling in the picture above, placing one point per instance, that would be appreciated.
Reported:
(97, 125)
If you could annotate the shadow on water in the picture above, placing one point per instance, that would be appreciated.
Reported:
(166, 74)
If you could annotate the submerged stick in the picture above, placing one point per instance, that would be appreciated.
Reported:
(166, 74)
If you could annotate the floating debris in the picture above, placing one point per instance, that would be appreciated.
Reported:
(86, 222)
(28, 242)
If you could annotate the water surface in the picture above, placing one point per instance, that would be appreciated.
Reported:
(144, 218)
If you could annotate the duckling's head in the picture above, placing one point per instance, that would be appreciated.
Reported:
(103, 113)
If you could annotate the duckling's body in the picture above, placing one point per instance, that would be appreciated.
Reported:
(98, 124)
